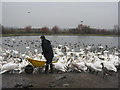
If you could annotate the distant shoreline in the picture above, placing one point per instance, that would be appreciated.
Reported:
(37, 34)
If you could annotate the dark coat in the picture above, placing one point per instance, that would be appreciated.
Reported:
(47, 49)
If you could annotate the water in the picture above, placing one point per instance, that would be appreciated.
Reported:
(14, 41)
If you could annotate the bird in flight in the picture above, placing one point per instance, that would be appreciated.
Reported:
(28, 12)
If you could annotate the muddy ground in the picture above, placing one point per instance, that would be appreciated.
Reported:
(62, 80)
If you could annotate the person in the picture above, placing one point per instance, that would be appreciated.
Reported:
(48, 53)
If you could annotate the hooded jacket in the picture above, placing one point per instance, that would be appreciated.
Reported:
(47, 49)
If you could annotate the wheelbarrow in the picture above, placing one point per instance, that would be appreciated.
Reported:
(33, 64)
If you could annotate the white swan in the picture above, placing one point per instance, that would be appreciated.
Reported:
(79, 66)
(97, 67)
(110, 66)
(60, 66)
(9, 66)
(22, 65)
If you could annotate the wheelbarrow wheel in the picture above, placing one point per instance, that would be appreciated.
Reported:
(29, 69)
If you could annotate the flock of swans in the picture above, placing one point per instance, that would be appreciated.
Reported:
(86, 59)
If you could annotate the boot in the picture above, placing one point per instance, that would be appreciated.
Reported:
(51, 68)
(46, 69)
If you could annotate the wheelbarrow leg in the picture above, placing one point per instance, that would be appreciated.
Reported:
(40, 69)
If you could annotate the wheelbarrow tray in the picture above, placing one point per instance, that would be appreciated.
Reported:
(36, 63)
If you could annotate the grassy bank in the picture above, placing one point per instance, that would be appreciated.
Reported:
(66, 34)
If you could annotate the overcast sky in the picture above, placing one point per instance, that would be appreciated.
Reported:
(0, 13)
(62, 14)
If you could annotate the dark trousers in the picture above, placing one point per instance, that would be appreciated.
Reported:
(49, 63)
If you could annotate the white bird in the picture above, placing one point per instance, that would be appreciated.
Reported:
(114, 59)
(110, 66)
(9, 66)
(94, 66)
(22, 65)
(79, 66)
(60, 66)
(28, 47)
(88, 47)
(101, 47)
(36, 51)
(1, 58)
(97, 67)
(13, 39)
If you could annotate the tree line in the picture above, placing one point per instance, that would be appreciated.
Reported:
(80, 29)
